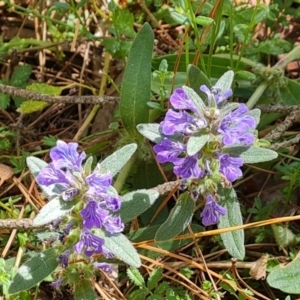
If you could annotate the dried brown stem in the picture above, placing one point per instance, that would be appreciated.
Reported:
(17, 92)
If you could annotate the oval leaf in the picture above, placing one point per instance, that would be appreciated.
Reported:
(52, 211)
(286, 278)
(178, 219)
(224, 83)
(121, 247)
(196, 143)
(253, 154)
(136, 85)
(197, 78)
(194, 97)
(135, 203)
(233, 240)
(34, 271)
(150, 131)
(116, 161)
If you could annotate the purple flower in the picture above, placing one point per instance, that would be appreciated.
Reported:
(98, 183)
(56, 284)
(63, 259)
(93, 215)
(187, 120)
(65, 155)
(188, 168)
(236, 125)
(112, 203)
(169, 151)
(105, 267)
(230, 166)
(214, 94)
(89, 243)
(69, 194)
(180, 100)
(113, 224)
(212, 211)
(50, 175)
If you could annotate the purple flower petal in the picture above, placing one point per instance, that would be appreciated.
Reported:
(176, 122)
(113, 225)
(112, 203)
(51, 175)
(89, 243)
(169, 151)
(230, 167)
(98, 182)
(214, 94)
(180, 100)
(105, 267)
(93, 215)
(63, 259)
(57, 284)
(212, 211)
(236, 125)
(65, 155)
(188, 168)
(69, 194)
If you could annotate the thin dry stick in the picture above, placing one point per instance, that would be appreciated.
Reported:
(281, 128)
(17, 92)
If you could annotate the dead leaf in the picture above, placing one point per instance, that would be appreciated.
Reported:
(258, 270)
(6, 172)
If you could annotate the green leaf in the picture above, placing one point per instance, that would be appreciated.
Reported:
(116, 161)
(162, 287)
(135, 276)
(31, 106)
(197, 78)
(286, 278)
(34, 271)
(44, 88)
(136, 85)
(233, 240)
(290, 92)
(196, 143)
(135, 203)
(53, 210)
(138, 295)
(20, 75)
(4, 101)
(154, 278)
(252, 155)
(121, 247)
(83, 290)
(123, 22)
(150, 131)
(179, 218)
(194, 97)
(204, 21)
(224, 83)
(283, 235)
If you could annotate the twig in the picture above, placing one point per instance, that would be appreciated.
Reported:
(17, 92)
(278, 108)
(281, 128)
